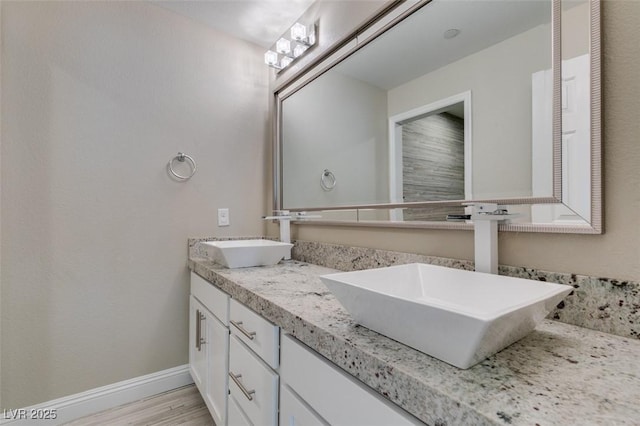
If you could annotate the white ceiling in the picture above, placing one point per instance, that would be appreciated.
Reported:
(417, 45)
(259, 21)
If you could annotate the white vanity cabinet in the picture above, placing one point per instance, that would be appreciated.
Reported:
(209, 345)
(254, 357)
(250, 375)
(317, 393)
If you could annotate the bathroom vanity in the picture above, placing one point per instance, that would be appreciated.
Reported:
(272, 378)
(325, 369)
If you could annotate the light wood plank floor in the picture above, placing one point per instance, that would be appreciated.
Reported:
(182, 406)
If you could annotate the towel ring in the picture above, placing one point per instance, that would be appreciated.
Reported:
(327, 180)
(181, 157)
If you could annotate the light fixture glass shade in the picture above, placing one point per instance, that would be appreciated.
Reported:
(283, 46)
(298, 31)
(271, 57)
(285, 61)
(311, 39)
(299, 50)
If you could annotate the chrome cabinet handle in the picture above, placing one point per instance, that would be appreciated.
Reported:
(198, 338)
(202, 340)
(236, 380)
(238, 324)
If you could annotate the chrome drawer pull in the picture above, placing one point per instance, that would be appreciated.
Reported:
(238, 324)
(244, 390)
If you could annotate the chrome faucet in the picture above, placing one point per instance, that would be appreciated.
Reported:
(284, 219)
(485, 220)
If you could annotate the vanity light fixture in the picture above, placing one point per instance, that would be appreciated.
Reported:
(291, 45)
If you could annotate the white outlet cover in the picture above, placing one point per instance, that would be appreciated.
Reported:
(223, 217)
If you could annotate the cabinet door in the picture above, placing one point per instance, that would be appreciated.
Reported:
(209, 359)
(217, 343)
(197, 352)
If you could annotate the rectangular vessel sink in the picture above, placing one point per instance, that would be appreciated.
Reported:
(246, 253)
(460, 317)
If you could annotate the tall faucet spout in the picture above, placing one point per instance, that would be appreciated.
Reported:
(285, 230)
(485, 220)
(485, 241)
(284, 219)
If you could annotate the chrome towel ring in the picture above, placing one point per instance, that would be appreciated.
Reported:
(327, 180)
(182, 157)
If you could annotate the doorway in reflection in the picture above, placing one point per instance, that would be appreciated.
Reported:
(432, 146)
(432, 160)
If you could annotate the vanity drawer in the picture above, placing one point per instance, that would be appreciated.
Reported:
(294, 412)
(253, 385)
(257, 333)
(337, 397)
(236, 417)
(215, 300)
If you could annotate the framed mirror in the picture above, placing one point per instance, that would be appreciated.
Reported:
(452, 101)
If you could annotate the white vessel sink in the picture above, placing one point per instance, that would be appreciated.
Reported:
(460, 317)
(245, 253)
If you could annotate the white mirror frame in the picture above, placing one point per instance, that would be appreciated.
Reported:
(379, 24)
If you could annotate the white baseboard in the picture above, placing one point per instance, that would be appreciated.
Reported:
(95, 400)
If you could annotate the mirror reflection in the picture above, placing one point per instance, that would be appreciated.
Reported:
(453, 103)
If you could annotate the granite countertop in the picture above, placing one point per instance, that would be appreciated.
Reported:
(559, 374)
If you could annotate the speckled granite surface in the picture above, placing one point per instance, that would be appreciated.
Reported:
(603, 304)
(558, 375)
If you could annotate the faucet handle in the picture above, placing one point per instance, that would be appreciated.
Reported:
(305, 216)
(483, 208)
(490, 211)
(279, 215)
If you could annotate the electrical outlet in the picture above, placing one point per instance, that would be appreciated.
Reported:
(223, 217)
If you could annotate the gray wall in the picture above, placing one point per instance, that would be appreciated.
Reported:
(355, 154)
(96, 98)
(499, 79)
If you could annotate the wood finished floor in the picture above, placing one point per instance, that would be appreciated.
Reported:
(182, 406)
